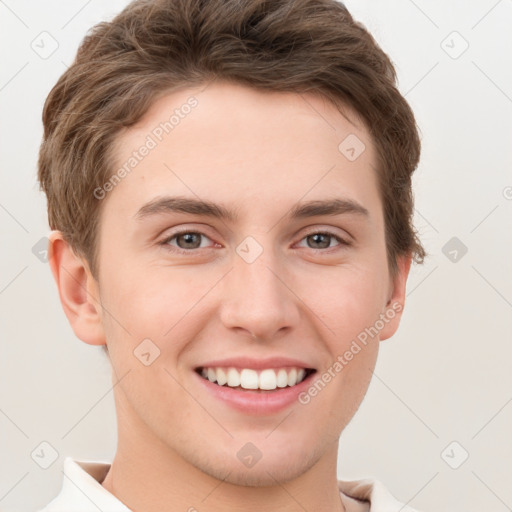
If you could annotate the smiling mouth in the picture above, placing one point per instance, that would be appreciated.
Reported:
(270, 379)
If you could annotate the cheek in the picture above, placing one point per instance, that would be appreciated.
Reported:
(163, 305)
(348, 301)
(349, 306)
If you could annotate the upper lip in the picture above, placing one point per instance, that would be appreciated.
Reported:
(256, 364)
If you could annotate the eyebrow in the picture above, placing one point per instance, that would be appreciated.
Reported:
(179, 204)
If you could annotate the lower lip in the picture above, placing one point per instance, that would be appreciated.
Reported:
(256, 401)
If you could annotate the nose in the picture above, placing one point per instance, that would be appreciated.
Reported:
(257, 298)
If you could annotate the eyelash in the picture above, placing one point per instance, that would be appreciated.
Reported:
(178, 250)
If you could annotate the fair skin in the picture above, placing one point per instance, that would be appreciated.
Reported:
(260, 154)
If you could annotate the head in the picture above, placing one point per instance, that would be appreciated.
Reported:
(257, 107)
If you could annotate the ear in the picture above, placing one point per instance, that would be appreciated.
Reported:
(392, 313)
(78, 290)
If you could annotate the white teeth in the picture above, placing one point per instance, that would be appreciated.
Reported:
(233, 378)
(247, 378)
(211, 375)
(222, 378)
(268, 379)
(282, 378)
(292, 377)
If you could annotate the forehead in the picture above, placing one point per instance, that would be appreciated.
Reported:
(237, 144)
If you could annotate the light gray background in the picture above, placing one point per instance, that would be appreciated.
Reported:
(445, 376)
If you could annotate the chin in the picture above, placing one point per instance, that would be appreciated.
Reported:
(267, 471)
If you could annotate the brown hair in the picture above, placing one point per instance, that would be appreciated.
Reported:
(154, 46)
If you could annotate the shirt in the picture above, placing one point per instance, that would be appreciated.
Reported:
(82, 492)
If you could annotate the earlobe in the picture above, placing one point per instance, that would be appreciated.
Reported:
(78, 290)
(395, 304)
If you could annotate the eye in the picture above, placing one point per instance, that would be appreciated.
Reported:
(322, 239)
(186, 241)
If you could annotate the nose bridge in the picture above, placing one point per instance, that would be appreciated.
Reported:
(256, 297)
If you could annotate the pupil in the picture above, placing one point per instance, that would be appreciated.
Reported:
(315, 236)
(189, 237)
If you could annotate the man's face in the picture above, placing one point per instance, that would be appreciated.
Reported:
(260, 285)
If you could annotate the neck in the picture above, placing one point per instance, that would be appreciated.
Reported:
(149, 476)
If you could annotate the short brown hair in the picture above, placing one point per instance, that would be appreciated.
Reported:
(154, 46)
